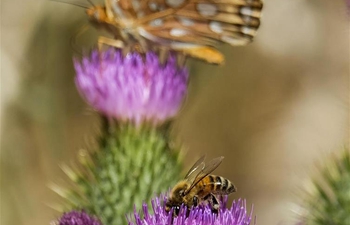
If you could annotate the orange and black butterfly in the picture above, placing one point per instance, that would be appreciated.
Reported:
(194, 27)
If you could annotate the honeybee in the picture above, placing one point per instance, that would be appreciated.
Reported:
(193, 27)
(199, 186)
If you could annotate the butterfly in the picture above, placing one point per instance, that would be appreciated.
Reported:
(193, 27)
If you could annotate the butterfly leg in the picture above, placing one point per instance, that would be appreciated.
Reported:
(163, 54)
(108, 41)
(142, 45)
(205, 53)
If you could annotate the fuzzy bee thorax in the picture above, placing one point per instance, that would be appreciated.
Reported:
(179, 189)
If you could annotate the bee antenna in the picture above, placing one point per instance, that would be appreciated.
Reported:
(71, 3)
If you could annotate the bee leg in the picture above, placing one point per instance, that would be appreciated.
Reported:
(214, 203)
(195, 201)
(195, 204)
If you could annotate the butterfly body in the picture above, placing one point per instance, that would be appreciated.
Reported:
(119, 26)
(192, 26)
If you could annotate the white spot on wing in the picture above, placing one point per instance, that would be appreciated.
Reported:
(175, 32)
(136, 4)
(185, 21)
(156, 23)
(234, 41)
(153, 6)
(246, 11)
(174, 3)
(152, 37)
(206, 9)
(215, 26)
(248, 30)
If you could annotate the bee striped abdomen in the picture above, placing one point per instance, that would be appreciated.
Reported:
(221, 185)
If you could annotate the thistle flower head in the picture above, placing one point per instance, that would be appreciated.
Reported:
(235, 215)
(78, 218)
(134, 87)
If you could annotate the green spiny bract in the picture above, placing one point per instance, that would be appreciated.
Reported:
(329, 202)
(129, 167)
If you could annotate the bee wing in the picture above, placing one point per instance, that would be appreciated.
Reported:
(197, 165)
(210, 167)
(199, 22)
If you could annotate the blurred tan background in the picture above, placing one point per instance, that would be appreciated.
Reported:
(275, 110)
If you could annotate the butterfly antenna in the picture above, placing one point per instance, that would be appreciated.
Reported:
(73, 40)
(89, 1)
(71, 3)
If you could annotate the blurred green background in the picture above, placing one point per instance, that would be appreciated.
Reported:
(275, 110)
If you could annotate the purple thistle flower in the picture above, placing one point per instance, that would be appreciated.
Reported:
(135, 88)
(78, 218)
(235, 215)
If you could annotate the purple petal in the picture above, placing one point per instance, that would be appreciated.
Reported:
(135, 88)
(235, 215)
(78, 218)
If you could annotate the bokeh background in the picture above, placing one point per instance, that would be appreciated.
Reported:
(276, 110)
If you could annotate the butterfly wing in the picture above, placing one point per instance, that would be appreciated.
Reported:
(201, 22)
(192, 26)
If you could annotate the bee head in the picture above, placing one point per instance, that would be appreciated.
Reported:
(177, 197)
(175, 201)
(169, 205)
